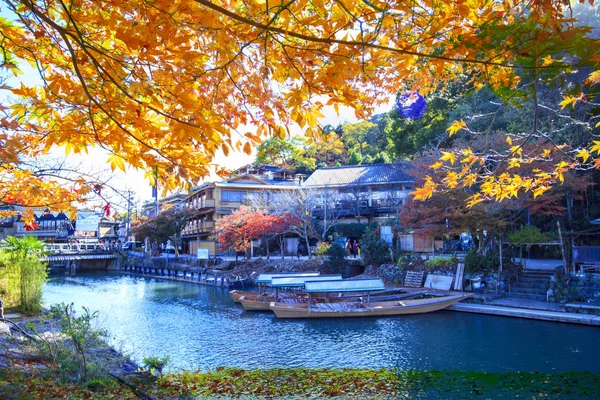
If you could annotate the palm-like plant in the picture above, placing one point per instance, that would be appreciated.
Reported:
(25, 247)
(23, 256)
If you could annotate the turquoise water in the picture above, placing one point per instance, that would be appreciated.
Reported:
(199, 327)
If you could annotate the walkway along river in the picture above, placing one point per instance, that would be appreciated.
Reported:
(199, 327)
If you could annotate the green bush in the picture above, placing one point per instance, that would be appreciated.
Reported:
(155, 365)
(336, 255)
(80, 333)
(373, 250)
(321, 249)
(528, 234)
(476, 263)
(441, 262)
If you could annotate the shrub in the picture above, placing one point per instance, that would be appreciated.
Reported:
(321, 249)
(476, 263)
(373, 250)
(155, 365)
(441, 262)
(336, 255)
(81, 333)
(528, 234)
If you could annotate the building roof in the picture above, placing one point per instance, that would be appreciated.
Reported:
(360, 175)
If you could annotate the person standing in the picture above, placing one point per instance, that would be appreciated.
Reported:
(354, 248)
(300, 250)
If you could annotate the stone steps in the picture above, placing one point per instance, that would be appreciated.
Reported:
(524, 290)
(532, 285)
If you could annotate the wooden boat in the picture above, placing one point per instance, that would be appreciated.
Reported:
(264, 280)
(312, 309)
(262, 301)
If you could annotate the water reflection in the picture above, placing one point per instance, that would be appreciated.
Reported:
(199, 327)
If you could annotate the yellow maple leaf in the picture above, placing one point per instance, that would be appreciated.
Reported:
(547, 61)
(436, 165)
(583, 153)
(476, 198)
(116, 162)
(447, 156)
(451, 180)
(456, 126)
(594, 77)
(514, 163)
(546, 153)
(509, 140)
(425, 192)
(569, 100)
(538, 191)
(516, 150)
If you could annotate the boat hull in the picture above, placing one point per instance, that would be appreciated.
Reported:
(255, 303)
(236, 295)
(376, 309)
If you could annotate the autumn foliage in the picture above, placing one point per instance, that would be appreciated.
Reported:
(165, 85)
(236, 231)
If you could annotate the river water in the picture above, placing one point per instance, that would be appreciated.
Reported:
(200, 328)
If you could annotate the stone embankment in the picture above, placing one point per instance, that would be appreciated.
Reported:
(223, 274)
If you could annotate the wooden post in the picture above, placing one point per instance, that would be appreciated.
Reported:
(499, 267)
(562, 247)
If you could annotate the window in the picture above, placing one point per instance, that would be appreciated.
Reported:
(233, 196)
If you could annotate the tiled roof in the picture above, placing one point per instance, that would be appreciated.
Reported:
(360, 175)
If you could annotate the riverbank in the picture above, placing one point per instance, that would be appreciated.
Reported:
(34, 383)
(25, 373)
(36, 363)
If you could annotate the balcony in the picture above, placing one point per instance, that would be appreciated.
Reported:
(198, 228)
(201, 204)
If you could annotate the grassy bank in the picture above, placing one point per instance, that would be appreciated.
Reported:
(307, 383)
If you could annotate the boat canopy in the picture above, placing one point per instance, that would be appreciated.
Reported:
(345, 285)
(266, 278)
(299, 281)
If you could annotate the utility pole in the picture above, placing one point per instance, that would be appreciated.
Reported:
(128, 225)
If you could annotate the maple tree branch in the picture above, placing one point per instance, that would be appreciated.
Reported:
(316, 39)
(64, 34)
(86, 47)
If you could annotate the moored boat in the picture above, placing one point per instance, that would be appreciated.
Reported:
(312, 309)
(261, 302)
(263, 281)
(298, 295)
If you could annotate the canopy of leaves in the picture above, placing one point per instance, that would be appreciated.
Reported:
(236, 231)
(529, 235)
(164, 86)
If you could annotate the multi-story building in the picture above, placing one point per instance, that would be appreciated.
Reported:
(214, 200)
(364, 193)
